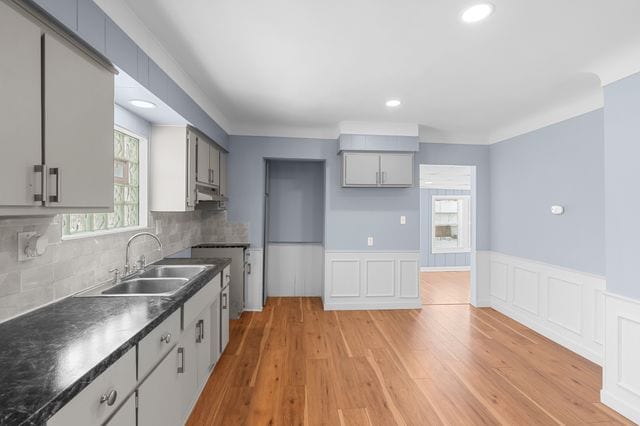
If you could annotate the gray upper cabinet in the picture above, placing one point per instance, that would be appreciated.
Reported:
(223, 174)
(56, 116)
(361, 169)
(203, 174)
(78, 94)
(375, 169)
(396, 169)
(20, 118)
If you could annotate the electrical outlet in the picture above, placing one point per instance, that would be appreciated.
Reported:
(370, 241)
(403, 220)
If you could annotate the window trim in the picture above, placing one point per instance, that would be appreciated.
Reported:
(143, 192)
(435, 250)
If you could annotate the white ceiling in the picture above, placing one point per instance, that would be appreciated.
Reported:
(128, 89)
(299, 67)
(445, 177)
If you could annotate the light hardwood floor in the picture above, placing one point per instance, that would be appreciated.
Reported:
(445, 288)
(295, 364)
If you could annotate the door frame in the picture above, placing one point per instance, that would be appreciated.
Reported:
(473, 261)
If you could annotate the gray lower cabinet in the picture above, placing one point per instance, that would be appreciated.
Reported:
(159, 395)
(214, 333)
(224, 318)
(126, 415)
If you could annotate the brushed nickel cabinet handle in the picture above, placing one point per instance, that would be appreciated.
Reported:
(166, 338)
(181, 353)
(109, 397)
(224, 304)
(57, 172)
(40, 168)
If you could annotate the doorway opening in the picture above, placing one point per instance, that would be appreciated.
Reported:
(294, 228)
(447, 234)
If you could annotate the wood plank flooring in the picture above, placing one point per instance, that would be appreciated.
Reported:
(445, 288)
(295, 364)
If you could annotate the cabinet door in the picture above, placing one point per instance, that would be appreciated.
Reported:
(159, 395)
(223, 174)
(78, 136)
(203, 346)
(214, 330)
(214, 164)
(126, 415)
(203, 169)
(224, 319)
(396, 169)
(20, 131)
(192, 191)
(188, 380)
(361, 169)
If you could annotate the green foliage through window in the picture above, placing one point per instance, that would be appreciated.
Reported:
(126, 190)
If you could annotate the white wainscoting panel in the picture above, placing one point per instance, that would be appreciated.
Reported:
(558, 303)
(253, 300)
(621, 383)
(295, 270)
(371, 280)
(380, 279)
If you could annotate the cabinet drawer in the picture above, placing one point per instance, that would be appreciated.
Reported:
(152, 348)
(203, 298)
(226, 276)
(86, 408)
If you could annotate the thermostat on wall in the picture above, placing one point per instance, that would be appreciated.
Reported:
(557, 210)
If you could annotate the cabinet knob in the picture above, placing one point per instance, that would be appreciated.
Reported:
(109, 398)
(166, 338)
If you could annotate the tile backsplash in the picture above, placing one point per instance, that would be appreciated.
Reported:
(69, 266)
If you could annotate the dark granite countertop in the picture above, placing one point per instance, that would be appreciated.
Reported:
(49, 355)
(222, 245)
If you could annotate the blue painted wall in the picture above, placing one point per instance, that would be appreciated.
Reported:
(351, 214)
(427, 258)
(621, 153)
(467, 155)
(89, 22)
(559, 164)
(296, 199)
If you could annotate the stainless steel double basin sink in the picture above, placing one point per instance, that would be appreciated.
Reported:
(157, 280)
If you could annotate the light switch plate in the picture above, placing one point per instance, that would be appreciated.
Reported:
(370, 241)
(403, 220)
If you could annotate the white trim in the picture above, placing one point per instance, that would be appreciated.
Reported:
(377, 128)
(445, 268)
(621, 373)
(369, 306)
(559, 303)
(120, 12)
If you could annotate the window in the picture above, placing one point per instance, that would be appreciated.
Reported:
(451, 224)
(129, 192)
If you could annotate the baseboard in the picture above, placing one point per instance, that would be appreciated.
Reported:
(621, 378)
(623, 407)
(368, 306)
(445, 268)
(483, 304)
(564, 305)
(540, 328)
(252, 309)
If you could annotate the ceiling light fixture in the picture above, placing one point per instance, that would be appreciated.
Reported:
(393, 103)
(142, 104)
(477, 13)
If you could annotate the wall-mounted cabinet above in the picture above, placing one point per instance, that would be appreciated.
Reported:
(187, 169)
(56, 120)
(379, 170)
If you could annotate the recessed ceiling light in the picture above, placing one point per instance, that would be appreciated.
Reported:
(393, 103)
(142, 104)
(477, 13)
